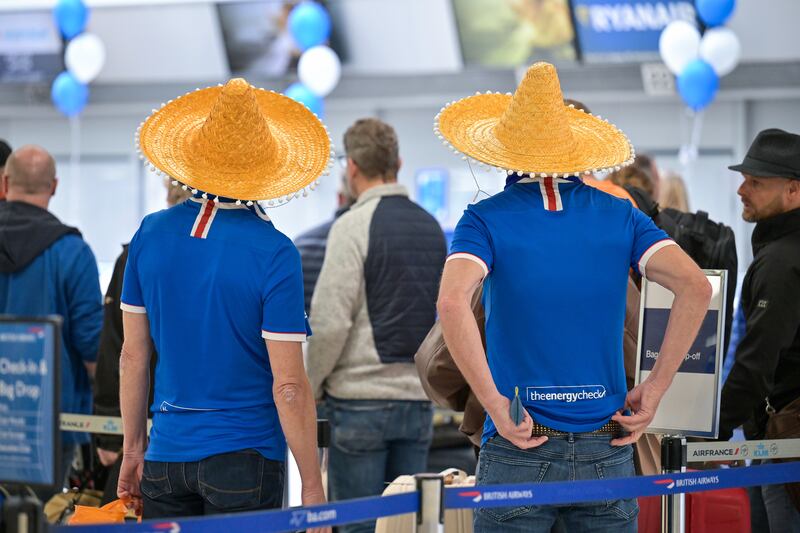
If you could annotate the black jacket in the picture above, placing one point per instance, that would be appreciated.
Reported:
(312, 245)
(106, 394)
(768, 356)
(25, 232)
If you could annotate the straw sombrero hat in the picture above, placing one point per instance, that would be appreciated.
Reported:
(237, 142)
(532, 131)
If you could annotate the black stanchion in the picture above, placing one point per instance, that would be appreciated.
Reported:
(23, 515)
(673, 507)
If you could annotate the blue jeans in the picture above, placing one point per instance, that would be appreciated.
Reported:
(224, 483)
(579, 456)
(373, 442)
(772, 510)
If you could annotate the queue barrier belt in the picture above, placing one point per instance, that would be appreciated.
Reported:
(294, 519)
(550, 493)
(564, 492)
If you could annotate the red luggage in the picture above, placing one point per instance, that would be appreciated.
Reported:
(715, 511)
(718, 511)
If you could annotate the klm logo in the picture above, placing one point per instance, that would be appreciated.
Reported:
(761, 451)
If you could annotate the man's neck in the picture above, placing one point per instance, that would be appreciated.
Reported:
(38, 200)
(371, 184)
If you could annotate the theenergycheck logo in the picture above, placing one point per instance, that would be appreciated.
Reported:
(568, 394)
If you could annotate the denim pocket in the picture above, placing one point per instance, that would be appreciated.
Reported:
(502, 468)
(620, 464)
(232, 480)
(155, 480)
(358, 427)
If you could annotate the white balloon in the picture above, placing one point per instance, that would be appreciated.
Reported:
(319, 69)
(720, 48)
(85, 56)
(679, 44)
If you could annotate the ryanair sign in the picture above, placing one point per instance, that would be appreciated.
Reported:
(625, 30)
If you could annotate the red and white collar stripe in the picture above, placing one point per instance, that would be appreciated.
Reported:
(548, 186)
(209, 209)
(204, 219)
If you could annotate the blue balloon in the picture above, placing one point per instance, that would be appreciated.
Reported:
(71, 17)
(715, 12)
(698, 84)
(309, 24)
(68, 94)
(302, 94)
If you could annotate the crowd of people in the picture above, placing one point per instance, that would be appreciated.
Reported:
(535, 303)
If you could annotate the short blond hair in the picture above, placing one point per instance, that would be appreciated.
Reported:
(673, 193)
(373, 147)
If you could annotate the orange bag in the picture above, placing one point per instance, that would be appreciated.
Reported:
(111, 513)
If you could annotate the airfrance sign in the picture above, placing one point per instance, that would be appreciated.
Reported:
(735, 451)
(625, 30)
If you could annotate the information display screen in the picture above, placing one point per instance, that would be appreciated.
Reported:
(513, 33)
(30, 47)
(29, 400)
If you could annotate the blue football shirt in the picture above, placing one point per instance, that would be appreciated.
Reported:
(556, 254)
(215, 280)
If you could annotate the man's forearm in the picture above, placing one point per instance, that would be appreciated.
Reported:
(298, 416)
(463, 339)
(134, 385)
(688, 311)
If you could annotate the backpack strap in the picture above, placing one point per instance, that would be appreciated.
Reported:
(700, 222)
(644, 201)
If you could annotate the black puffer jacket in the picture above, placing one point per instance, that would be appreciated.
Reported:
(768, 356)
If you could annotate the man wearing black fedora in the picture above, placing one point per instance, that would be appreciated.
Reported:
(763, 389)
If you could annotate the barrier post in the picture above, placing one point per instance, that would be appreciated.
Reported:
(673, 506)
(323, 443)
(23, 515)
(431, 503)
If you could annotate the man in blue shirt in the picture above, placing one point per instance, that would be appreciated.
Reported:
(47, 268)
(220, 292)
(553, 255)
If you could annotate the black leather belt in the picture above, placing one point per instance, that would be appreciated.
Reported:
(612, 428)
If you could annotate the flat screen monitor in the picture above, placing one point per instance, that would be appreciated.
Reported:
(29, 400)
(512, 33)
(625, 30)
(257, 39)
(30, 47)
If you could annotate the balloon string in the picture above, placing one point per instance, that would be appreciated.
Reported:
(477, 185)
(75, 167)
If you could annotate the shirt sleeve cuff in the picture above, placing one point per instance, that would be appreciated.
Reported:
(650, 252)
(470, 257)
(138, 309)
(286, 337)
